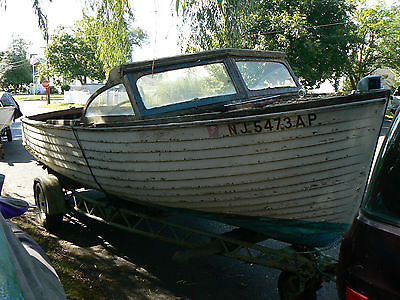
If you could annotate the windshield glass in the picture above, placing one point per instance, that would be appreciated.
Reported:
(112, 102)
(383, 198)
(192, 83)
(260, 75)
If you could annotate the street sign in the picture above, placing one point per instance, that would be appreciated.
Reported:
(46, 83)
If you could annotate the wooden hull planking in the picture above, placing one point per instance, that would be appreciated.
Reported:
(309, 165)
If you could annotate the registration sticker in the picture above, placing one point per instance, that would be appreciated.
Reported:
(213, 130)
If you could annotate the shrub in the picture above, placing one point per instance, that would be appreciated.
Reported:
(53, 90)
(65, 87)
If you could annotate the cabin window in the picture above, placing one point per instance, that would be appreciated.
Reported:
(112, 102)
(192, 83)
(259, 75)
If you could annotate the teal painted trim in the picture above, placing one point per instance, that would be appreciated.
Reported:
(296, 232)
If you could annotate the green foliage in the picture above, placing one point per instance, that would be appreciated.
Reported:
(15, 69)
(314, 34)
(72, 56)
(42, 18)
(65, 87)
(111, 26)
(346, 85)
(53, 90)
(112, 31)
(377, 32)
(389, 39)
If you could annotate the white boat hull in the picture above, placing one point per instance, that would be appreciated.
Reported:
(312, 166)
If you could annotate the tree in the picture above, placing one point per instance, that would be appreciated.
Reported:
(72, 56)
(378, 32)
(313, 34)
(42, 18)
(390, 46)
(15, 69)
(109, 21)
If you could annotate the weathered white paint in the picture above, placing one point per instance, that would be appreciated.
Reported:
(315, 172)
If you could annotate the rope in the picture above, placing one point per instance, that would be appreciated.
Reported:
(86, 160)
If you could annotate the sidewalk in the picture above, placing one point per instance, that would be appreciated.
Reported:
(18, 166)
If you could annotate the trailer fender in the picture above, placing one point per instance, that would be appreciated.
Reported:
(49, 200)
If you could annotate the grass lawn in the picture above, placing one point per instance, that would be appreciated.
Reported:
(75, 280)
(389, 114)
(37, 97)
(54, 105)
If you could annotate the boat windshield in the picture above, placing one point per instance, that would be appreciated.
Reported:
(182, 85)
(259, 75)
(112, 102)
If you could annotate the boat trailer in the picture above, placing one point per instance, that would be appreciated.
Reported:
(303, 269)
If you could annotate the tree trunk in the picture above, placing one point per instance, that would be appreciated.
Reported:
(353, 82)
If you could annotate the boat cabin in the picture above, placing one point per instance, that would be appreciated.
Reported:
(190, 84)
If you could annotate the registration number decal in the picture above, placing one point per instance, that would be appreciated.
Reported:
(273, 124)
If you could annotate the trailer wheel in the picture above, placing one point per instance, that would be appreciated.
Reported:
(290, 287)
(49, 200)
(9, 134)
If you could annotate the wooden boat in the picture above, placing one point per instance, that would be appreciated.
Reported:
(227, 135)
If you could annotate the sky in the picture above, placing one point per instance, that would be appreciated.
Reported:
(154, 16)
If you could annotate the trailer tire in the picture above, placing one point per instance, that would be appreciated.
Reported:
(289, 287)
(49, 200)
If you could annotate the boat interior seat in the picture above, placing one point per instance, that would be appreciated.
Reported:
(121, 120)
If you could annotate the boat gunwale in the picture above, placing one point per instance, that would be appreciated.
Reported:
(248, 117)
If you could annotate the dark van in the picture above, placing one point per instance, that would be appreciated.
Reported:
(369, 260)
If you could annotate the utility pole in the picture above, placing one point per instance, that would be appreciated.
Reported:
(33, 60)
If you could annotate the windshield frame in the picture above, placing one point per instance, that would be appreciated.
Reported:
(129, 73)
(268, 91)
(193, 103)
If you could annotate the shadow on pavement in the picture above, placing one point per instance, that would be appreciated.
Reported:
(14, 150)
(142, 268)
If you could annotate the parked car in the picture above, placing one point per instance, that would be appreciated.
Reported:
(7, 100)
(369, 257)
(395, 100)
